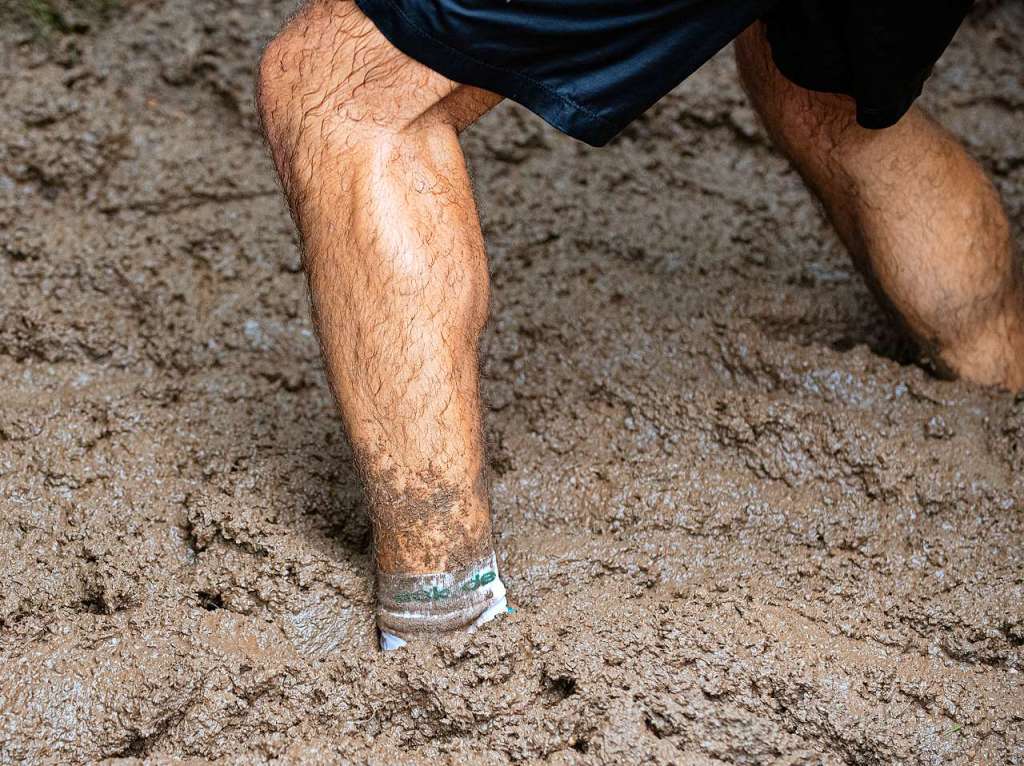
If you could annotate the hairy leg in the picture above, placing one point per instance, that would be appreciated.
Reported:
(916, 213)
(366, 144)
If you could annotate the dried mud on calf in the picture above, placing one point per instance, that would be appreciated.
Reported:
(739, 527)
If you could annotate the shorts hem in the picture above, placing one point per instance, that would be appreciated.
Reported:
(558, 110)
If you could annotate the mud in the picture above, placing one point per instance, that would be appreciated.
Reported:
(739, 525)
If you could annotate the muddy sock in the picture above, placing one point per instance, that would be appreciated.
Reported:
(408, 605)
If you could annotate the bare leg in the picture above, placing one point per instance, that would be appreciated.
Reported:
(918, 216)
(366, 143)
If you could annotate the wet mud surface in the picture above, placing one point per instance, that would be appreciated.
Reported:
(739, 525)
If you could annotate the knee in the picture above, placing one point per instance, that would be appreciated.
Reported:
(795, 118)
(328, 83)
(293, 90)
(754, 66)
(277, 81)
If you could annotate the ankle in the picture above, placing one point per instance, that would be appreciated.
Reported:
(992, 356)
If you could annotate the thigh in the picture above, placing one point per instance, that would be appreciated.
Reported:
(339, 71)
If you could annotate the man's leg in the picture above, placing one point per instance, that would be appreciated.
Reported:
(918, 216)
(366, 144)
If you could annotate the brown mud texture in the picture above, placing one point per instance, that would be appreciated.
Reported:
(740, 525)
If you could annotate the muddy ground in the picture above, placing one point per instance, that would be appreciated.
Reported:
(741, 527)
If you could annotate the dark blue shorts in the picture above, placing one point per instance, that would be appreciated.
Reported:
(589, 67)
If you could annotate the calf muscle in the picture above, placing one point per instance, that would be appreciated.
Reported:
(917, 214)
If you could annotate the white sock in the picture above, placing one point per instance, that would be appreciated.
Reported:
(438, 603)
